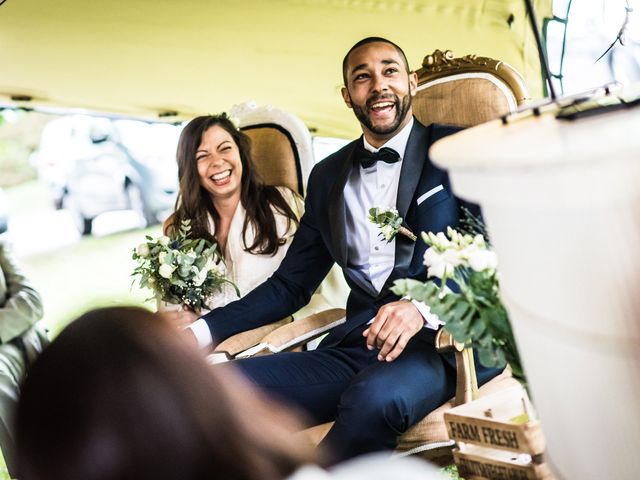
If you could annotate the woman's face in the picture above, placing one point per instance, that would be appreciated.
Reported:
(219, 164)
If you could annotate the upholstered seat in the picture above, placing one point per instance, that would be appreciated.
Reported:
(281, 145)
(466, 91)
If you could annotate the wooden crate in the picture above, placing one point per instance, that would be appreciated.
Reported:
(498, 437)
(475, 463)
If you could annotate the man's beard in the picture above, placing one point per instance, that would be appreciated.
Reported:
(402, 108)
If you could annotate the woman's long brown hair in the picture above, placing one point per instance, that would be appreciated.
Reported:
(194, 202)
(118, 396)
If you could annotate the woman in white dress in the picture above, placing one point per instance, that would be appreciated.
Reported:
(221, 194)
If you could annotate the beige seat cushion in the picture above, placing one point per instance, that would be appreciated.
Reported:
(274, 155)
(464, 102)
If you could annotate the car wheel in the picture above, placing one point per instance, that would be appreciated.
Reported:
(82, 223)
(85, 225)
(136, 202)
(57, 203)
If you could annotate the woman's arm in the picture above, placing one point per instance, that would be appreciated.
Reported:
(21, 306)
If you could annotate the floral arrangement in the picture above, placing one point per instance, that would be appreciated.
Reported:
(475, 315)
(180, 269)
(390, 223)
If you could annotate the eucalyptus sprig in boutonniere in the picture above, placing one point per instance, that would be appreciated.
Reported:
(390, 223)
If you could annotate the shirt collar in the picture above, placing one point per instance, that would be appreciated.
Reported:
(398, 142)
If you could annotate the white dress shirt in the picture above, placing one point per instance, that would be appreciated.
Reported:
(376, 186)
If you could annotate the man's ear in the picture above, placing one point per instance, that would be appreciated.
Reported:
(346, 97)
(413, 83)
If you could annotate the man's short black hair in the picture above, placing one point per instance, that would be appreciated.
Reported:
(365, 41)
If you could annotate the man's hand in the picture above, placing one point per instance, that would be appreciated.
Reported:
(392, 328)
(180, 318)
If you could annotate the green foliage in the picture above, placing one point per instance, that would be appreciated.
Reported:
(385, 217)
(475, 315)
(451, 472)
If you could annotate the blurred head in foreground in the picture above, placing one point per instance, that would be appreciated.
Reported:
(119, 396)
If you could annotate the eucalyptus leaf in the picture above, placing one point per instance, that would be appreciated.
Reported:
(487, 357)
(457, 330)
(421, 292)
(460, 308)
(401, 287)
(200, 247)
(468, 319)
(477, 328)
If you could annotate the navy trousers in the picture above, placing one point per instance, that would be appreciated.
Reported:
(372, 402)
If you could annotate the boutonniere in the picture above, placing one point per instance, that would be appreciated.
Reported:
(390, 223)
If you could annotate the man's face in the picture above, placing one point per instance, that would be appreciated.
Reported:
(379, 90)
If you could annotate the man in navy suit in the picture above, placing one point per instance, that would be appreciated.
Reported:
(378, 373)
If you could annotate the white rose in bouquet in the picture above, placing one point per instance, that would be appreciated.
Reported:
(480, 260)
(166, 270)
(143, 250)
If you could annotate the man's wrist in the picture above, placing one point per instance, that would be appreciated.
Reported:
(201, 332)
(431, 320)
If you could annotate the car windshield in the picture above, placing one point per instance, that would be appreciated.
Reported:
(149, 142)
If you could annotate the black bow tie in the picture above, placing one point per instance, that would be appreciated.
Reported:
(368, 159)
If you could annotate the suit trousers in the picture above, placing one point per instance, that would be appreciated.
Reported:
(372, 402)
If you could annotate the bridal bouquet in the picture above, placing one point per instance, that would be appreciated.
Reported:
(475, 316)
(180, 269)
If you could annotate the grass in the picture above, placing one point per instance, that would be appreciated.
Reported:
(93, 273)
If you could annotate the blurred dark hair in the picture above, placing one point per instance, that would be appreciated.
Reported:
(118, 396)
(366, 41)
(194, 202)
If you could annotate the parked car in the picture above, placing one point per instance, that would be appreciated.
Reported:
(96, 165)
(4, 212)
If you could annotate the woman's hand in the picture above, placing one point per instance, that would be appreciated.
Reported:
(180, 318)
(189, 337)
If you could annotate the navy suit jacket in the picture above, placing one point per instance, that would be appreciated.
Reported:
(321, 240)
